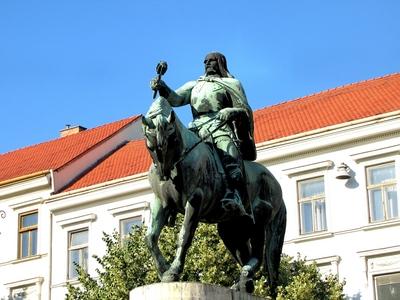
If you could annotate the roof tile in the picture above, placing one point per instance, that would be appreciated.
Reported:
(132, 158)
(331, 107)
(56, 153)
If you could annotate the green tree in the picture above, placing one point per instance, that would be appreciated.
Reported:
(127, 264)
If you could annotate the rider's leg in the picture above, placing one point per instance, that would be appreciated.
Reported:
(231, 161)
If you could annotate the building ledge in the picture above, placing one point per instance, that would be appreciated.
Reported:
(88, 218)
(311, 237)
(323, 165)
(35, 280)
(380, 225)
(25, 259)
(377, 153)
(72, 281)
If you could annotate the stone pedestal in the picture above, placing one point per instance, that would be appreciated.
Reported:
(187, 291)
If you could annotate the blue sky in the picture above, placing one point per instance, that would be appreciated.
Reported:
(89, 62)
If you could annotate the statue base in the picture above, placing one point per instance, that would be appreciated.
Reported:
(187, 291)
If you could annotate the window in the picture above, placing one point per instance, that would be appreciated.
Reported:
(27, 231)
(312, 205)
(77, 251)
(382, 192)
(24, 293)
(387, 287)
(126, 225)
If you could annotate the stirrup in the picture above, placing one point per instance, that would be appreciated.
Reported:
(232, 203)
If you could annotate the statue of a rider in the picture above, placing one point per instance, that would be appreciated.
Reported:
(218, 100)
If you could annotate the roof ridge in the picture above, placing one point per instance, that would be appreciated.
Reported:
(304, 98)
(68, 136)
(95, 165)
(132, 118)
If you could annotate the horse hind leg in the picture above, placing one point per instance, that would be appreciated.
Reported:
(237, 241)
(275, 233)
(262, 212)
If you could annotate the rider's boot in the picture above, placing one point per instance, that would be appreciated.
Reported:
(233, 198)
(232, 202)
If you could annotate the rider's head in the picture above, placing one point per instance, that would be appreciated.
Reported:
(215, 64)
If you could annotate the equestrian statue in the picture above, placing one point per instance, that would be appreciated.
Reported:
(207, 173)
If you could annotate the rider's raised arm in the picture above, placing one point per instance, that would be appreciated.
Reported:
(182, 95)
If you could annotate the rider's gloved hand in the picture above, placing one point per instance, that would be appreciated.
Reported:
(157, 85)
(225, 114)
(160, 86)
(229, 113)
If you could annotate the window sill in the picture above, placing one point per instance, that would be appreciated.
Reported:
(381, 224)
(29, 258)
(312, 236)
(72, 281)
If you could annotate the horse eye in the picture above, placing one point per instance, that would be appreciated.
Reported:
(150, 133)
(150, 144)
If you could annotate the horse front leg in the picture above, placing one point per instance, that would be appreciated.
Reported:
(186, 234)
(159, 216)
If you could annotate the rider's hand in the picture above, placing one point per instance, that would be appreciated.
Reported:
(160, 86)
(226, 114)
(157, 85)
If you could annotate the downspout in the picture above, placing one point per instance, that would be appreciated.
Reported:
(51, 240)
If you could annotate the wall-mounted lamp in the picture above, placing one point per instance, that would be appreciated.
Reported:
(2, 214)
(343, 171)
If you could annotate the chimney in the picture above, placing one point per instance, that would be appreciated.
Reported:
(68, 130)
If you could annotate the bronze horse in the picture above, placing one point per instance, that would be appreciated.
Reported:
(187, 177)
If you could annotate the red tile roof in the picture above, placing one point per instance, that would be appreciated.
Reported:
(335, 106)
(331, 107)
(132, 158)
(56, 153)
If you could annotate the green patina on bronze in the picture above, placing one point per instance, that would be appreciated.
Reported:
(206, 173)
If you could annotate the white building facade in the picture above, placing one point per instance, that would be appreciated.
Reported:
(348, 226)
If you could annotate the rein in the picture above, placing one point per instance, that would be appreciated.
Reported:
(188, 150)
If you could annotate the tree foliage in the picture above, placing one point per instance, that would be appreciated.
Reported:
(127, 264)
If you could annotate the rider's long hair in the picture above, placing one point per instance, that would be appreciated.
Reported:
(222, 65)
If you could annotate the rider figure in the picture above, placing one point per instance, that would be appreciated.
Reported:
(214, 98)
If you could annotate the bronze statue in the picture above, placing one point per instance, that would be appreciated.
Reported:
(206, 173)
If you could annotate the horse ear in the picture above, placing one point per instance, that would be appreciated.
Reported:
(171, 117)
(145, 121)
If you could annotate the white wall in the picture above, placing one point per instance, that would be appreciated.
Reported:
(349, 233)
(351, 246)
(32, 271)
(99, 210)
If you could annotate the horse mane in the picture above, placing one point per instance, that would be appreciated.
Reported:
(161, 108)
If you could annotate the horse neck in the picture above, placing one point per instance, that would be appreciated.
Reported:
(187, 137)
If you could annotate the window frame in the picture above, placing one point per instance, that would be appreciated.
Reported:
(29, 229)
(313, 199)
(137, 217)
(375, 284)
(82, 262)
(382, 187)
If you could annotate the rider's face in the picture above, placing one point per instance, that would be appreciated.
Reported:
(211, 66)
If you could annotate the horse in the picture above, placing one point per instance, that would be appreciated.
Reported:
(187, 177)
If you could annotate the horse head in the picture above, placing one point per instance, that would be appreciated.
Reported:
(162, 141)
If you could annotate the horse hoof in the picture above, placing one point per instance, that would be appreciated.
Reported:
(169, 277)
(247, 285)
(235, 286)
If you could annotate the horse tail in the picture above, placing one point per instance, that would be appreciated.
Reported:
(274, 236)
